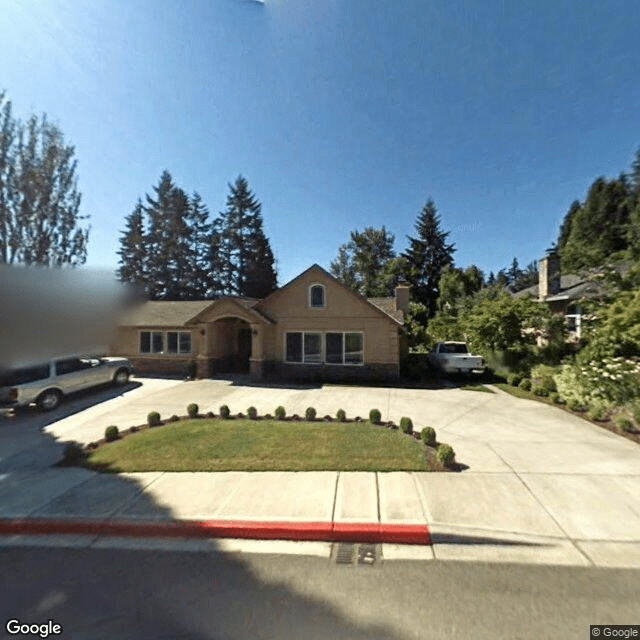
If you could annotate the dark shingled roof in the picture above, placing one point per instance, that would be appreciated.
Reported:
(388, 305)
(571, 287)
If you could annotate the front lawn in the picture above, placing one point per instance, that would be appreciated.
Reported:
(265, 445)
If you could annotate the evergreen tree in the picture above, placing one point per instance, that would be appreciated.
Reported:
(133, 251)
(39, 197)
(502, 280)
(428, 254)
(565, 227)
(600, 227)
(200, 231)
(491, 280)
(514, 272)
(245, 258)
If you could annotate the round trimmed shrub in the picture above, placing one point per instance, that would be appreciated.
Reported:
(111, 433)
(375, 416)
(445, 454)
(210, 414)
(280, 413)
(252, 412)
(192, 410)
(406, 425)
(153, 419)
(574, 404)
(173, 418)
(555, 398)
(525, 384)
(428, 436)
(225, 412)
(624, 424)
(341, 416)
(310, 413)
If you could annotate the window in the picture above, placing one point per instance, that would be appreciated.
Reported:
(69, 365)
(313, 347)
(316, 296)
(294, 347)
(339, 348)
(175, 341)
(353, 351)
(334, 344)
(184, 342)
(145, 342)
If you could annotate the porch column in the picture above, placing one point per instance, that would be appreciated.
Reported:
(203, 356)
(256, 362)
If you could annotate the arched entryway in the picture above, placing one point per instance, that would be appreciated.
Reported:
(230, 345)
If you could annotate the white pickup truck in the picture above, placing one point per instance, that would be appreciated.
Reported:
(454, 357)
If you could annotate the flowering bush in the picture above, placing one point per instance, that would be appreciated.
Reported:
(611, 381)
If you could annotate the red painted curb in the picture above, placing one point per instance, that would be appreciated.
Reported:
(254, 530)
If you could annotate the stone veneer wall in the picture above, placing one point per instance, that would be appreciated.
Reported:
(332, 373)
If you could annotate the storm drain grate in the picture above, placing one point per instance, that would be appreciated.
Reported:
(356, 554)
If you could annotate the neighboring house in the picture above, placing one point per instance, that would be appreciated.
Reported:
(562, 293)
(313, 328)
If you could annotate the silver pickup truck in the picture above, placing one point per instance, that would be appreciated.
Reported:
(454, 357)
(47, 383)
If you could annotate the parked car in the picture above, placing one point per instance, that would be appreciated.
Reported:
(46, 384)
(454, 357)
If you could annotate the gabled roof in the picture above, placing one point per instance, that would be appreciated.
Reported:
(246, 304)
(380, 309)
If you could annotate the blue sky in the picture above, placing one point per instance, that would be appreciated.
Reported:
(341, 114)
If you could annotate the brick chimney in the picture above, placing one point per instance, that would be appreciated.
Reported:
(549, 274)
(402, 296)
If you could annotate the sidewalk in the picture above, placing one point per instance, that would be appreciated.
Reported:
(445, 516)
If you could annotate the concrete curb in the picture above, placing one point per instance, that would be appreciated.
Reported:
(255, 530)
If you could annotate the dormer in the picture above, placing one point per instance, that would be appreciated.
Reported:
(317, 296)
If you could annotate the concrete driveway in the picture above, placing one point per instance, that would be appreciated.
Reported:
(535, 473)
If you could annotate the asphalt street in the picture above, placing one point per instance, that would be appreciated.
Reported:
(156, 595)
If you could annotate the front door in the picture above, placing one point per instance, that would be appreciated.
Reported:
(244, 350)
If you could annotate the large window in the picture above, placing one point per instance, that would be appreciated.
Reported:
(344, 348)
(331, 348)
(172, 342)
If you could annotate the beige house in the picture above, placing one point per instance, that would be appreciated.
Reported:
(313, 328)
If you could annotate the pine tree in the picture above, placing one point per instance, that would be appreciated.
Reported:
(133, 251)
(428, 254)
(491, 280)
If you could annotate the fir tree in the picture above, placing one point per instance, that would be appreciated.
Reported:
(244, 256)
(133, 251)
(428, 254)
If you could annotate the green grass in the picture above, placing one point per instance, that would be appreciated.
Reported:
(266, 445)
(476, 387)
(519, 393)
